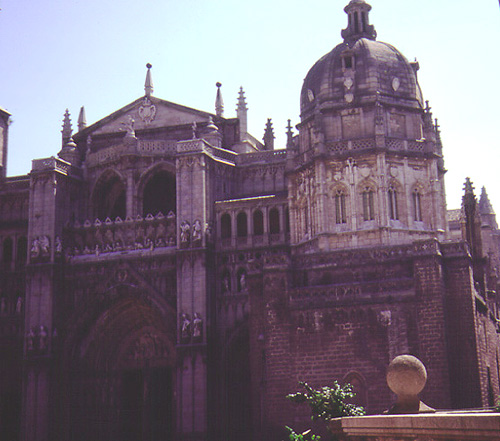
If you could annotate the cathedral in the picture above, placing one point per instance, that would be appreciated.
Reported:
(168, 276)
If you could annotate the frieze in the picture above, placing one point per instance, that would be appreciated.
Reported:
(367, 256)
(108, 236)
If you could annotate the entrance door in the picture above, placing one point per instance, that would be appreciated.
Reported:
(146, 405)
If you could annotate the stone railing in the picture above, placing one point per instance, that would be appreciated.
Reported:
(267, 157)
(120, 235)
(52, 163)
(445, 426)
(392, 144)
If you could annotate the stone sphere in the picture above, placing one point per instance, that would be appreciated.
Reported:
(406, 375)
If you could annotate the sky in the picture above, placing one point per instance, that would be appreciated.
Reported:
(58, 54)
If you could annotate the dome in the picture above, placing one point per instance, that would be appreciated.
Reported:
(360, 70)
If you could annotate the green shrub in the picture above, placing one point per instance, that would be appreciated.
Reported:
(304, 436)
(328, 402)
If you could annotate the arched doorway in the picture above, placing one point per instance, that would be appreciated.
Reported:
(120, 374)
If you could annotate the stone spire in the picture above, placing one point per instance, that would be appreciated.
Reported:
(66, 128)
(68, 151)
(219, 103)
(269, 135)
(471, 222)
(241, 113)
(148, 85)
(485, 206)
(289, 136)
(358, 22)
(486, 211)
(82, 119)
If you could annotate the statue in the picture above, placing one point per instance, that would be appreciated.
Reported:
(30, 340)
(197, 327)
(58, 245)
(128, 126)
(43, 343)
(19, 305)
(185, 328)
(35, 248)
(44, 245)
(185, 229)
(197, 231)
(208, 231)
(243, 281)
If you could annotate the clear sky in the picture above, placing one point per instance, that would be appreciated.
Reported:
(58, 54)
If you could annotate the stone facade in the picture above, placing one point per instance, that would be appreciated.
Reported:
(168, 276)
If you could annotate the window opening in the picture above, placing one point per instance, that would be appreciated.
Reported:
(274, 221)
(340, 213)
(241, 225)
(393, 204)
(368, 208)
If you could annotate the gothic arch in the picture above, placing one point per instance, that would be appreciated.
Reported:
(367, 200)
(340, 204)
(150, 200)
(396, 201)
(109, 196)
(119, 353)
(358, 383)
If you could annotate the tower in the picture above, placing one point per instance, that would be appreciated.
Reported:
(368, 168)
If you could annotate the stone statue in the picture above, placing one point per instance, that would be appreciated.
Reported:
(185, 230)
(197, 327)
(44, 245)
(43, 342)
(185, 327)
(196, 231)
(35, 248)
(58, 245)
(19, 305)
(208, 231)
(225, 283)
(30, 340)
(243, 281)
(128, 126)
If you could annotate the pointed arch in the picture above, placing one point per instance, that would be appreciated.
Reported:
(367, 190)
(109, 196)
(157, 190)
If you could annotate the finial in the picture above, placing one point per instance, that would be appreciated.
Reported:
(485, 206)
(269, 135)
(219, 103)
(468, 188)
(358, 23)
(289, 136)
(148, 85)
(66, 128)
(242, 105)
(241, 113)
(82, 120)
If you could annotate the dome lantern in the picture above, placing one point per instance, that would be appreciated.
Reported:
(358, 25)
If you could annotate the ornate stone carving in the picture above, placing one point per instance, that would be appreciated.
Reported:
(197, 231)
(147, 111)
(185, 232)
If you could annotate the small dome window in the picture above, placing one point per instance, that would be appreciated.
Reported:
(348, 61)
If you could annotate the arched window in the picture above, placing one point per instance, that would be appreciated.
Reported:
(393, 203)
(368, 207)
(109, 198)
(258, 223)
(241, 224)
(340, 211)
(225, 226)
(274, 221)
(159, 194)
(417, 205)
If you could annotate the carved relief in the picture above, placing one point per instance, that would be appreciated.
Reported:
(147, 111)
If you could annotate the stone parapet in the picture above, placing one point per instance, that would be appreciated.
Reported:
(459, 426)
